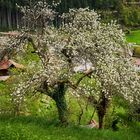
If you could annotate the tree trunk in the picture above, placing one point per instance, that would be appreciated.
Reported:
(4, 22)
(9, 19)
(58, 95)
(17, 20)
(101, 109)
(62, 108)
(59, 98)
(101, 119)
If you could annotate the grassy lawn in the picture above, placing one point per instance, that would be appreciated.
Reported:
(33, 128)
(134, 37)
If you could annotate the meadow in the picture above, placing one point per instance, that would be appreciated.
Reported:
(36, 128)
(134, 37)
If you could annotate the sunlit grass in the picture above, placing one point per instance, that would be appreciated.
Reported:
(134, 37)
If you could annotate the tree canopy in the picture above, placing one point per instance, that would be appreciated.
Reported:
(81, 38)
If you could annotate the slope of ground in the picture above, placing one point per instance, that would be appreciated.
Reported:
(33, 128)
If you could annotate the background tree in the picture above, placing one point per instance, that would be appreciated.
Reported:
(122, 11)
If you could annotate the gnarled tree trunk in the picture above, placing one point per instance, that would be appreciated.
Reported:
(62, 110)
(59, 98)
(58, 95)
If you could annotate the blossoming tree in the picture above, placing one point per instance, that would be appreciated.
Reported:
(82, 37)
(105, 47)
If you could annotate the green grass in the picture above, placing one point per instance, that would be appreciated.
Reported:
(35, 128)
(134, 37)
